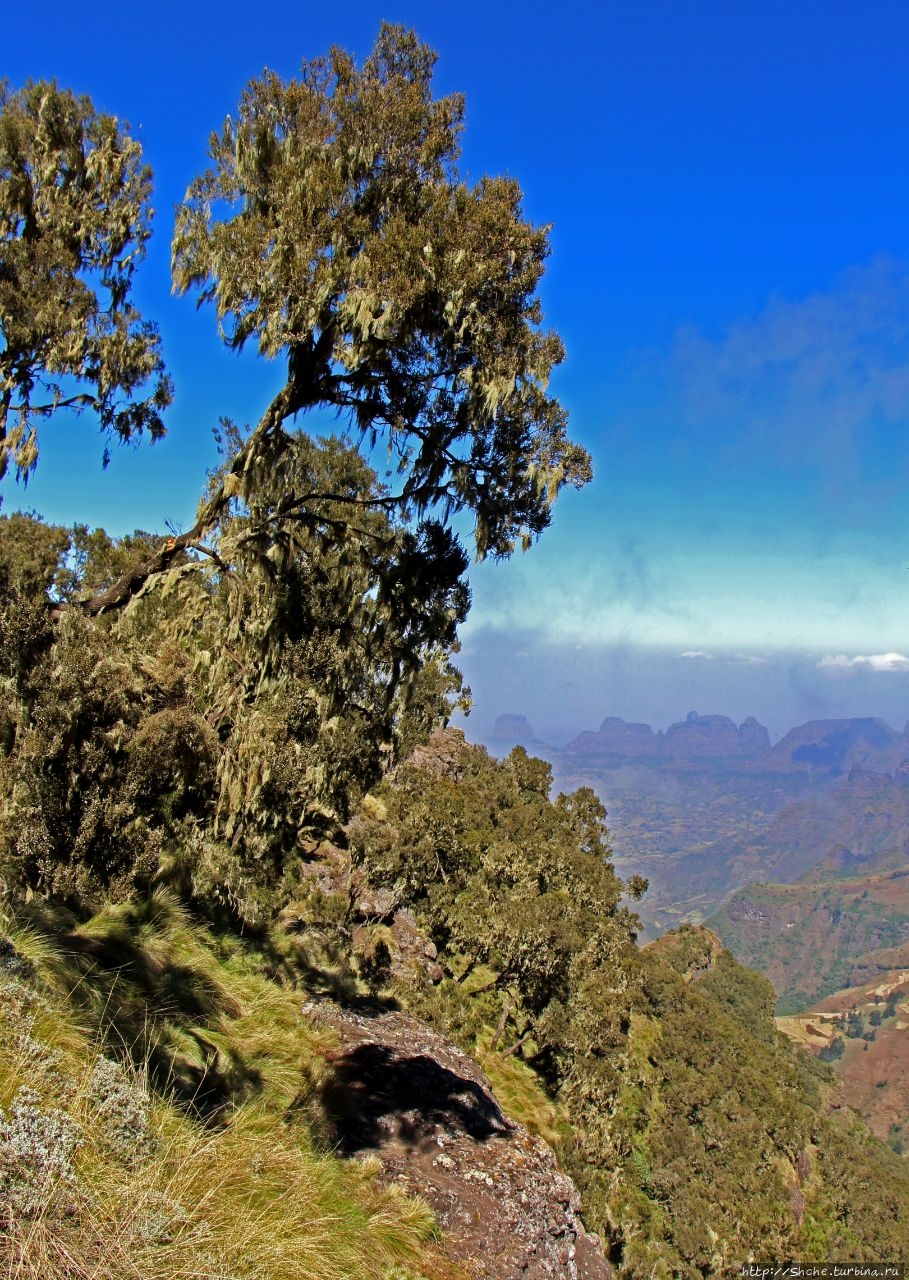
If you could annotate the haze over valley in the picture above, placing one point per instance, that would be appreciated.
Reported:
(795, 853)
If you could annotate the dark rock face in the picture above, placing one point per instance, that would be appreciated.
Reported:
(404, 1093)
(513, 729)
(12, 963)
(834, 745)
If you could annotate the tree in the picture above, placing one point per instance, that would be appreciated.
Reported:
(315, 643)
(314, 603)
(74, 221)
(333, 230)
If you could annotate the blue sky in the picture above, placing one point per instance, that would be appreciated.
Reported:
(729, 192)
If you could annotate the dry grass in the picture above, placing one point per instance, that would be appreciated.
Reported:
(520, 1094)
(121, 1183)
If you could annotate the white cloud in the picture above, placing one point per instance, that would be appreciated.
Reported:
(745, 659)
(817, 382)
(876, 662)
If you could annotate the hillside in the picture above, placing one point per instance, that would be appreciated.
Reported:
(294, 983)
(837, 953)
(707, 807)
(677, 1090)
(863, 1033)
(430, 1015)
(243, 1132)
(811, 939)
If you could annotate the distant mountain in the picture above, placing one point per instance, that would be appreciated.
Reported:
(821, 747)
(516, 731)
(835, 746)
(860, 823)
(513, 731)
(707, 806)
(695, 738)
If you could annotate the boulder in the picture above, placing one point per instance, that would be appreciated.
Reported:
(401, 1091)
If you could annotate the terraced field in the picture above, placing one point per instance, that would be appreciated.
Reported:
(863, 1032)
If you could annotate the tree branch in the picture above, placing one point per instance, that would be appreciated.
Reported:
(506, 1053)
(212, 555)
(83, 400)
(508, 1010)
(117, 596)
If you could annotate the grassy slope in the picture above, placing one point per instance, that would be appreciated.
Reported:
(812, 939)
(211, 1167)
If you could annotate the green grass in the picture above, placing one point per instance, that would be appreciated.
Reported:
(202, 1157)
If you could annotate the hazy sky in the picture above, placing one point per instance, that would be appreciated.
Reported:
(729, 190)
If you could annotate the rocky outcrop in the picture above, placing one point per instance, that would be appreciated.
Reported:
(754, 739)
(513, 729)
(401, 1091)
(697, 737)
(440, 755)
(626, 738)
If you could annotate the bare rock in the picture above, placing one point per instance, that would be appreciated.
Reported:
(403, 1092)
(412, 949)
(441, 754)
(376, 904)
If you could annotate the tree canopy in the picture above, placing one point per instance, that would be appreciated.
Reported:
(333, 229)
(315, 601)
(74, 222)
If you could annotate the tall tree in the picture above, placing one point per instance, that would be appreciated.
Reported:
(334, 231)
(74, 221)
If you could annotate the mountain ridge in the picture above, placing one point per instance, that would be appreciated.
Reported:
(826, 743)
(707, 806)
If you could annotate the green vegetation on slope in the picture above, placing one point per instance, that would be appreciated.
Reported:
(191, 729)
(812, 939)
(695, 1135)
(186, 1150)
(698, 1136)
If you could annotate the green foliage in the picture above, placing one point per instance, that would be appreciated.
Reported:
(279, 659)
(697, 1135)
(33, 556)
(835, 1049)
(743, 994)
(504, 881)
(316, 650)
(332, 228)
(70, 823)
(74, 221)
(221, 723)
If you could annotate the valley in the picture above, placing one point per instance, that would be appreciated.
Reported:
(862, 1032)
(707, 808)
(794, 854)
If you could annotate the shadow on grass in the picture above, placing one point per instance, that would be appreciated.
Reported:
(317, 959)
(140, 980)
(139, 988)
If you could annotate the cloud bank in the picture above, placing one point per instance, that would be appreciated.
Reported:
(839, 664)
(820, 382)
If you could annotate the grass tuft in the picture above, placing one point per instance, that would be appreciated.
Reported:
(111, 1167)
